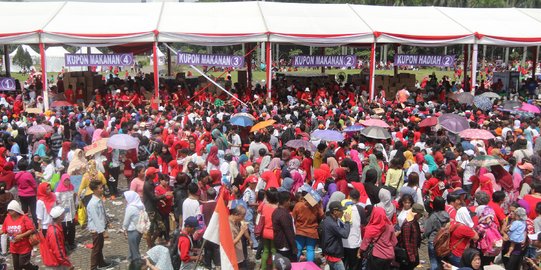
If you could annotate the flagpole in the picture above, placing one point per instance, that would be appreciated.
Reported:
(200, 254)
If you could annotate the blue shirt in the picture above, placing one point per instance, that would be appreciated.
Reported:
(96, 215)
(15, 150)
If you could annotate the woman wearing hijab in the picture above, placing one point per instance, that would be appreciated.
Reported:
(409, 159)
(354, 155)
(19, 227)
(340, 181)
(220, 140)
(461, 234)
(41, 151)
(320, 176)
(386, 202)
(373, 164)
(380, 233)
(333, 164)
(336, 196)
(129, 226)
(213, 162)
(92, 174)
(65, 196)
(46, 201)
(77, 168)
(432, 165)
(352, 170)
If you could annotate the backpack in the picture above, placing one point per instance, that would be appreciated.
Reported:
(143, 224)
(442, 240)
(173, 249)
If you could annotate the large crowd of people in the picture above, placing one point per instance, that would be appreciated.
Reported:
(356, 203)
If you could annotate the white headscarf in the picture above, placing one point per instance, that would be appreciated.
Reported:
(386, 203)
(133, 199)
(463, 216)
(15, 206)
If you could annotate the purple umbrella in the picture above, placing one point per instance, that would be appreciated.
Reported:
(453, 123)
(328, 135)
(301, 144)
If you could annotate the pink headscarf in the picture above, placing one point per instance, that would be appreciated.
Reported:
(63, 186)
(354, 155)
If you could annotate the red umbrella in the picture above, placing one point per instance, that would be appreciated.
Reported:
(375, 123)
(429, 122)
(61, 103)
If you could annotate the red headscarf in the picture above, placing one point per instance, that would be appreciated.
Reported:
(420, 159)
(216, 176)
(485, 184)
(48, 199)
(212, 157)
(321, 175)
(360, 187)
(378, 222)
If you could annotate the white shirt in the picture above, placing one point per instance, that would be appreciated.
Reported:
(235, 140)
(190, 208)
(468, 172)
(354, 239)
(42, 215)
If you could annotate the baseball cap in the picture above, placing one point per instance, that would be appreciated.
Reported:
(459, 192)
(336, 206)
(151, 171)
(417, 208)
(526, 166)
(281, 262)
(57, 211)
(251, 179)
(191, 222)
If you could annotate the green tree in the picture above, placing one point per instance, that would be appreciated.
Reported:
(22, 58)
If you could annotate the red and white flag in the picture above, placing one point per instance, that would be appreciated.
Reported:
(219, 232)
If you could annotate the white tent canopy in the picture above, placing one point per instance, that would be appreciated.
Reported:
(55, 58)
(240, 22)
(35, 57)
(84, 50)
(161, 58)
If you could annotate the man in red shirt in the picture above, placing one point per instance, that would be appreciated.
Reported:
(454, 202)
(533, 199)
(185, 242)
(79, 93)
(69, 94)
(497, 199)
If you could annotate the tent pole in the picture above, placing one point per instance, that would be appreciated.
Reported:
(322, 51)
(466, 58)
(169, 63)
(44, 76)
(6, 61)
(89, 51)
(474, 68)
(534, 61)
(155, 103)
(372, 71)
(268, 67)
(395, 67)
(248, 60)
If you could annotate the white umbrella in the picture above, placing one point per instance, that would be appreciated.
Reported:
(123, 142)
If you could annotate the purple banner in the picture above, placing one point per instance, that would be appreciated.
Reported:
(115, 59)
(324, 61)
(7, 84)
(424, 60)
(216, 60)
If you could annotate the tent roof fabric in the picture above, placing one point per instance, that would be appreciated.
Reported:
(93, 50)
(56, 51)
(239, 22)
(27, 49)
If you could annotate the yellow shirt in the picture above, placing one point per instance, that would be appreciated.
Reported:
(86, 181)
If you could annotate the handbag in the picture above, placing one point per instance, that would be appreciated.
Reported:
(260, 225)
(81, 214)
(35, 238)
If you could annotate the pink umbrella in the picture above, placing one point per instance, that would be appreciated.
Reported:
(526, 107)
(304, 266)
(476, 134)
(375, 123)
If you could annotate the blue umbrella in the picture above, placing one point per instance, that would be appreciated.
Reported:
(240, 120)
(328, 135)
(354, 128)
